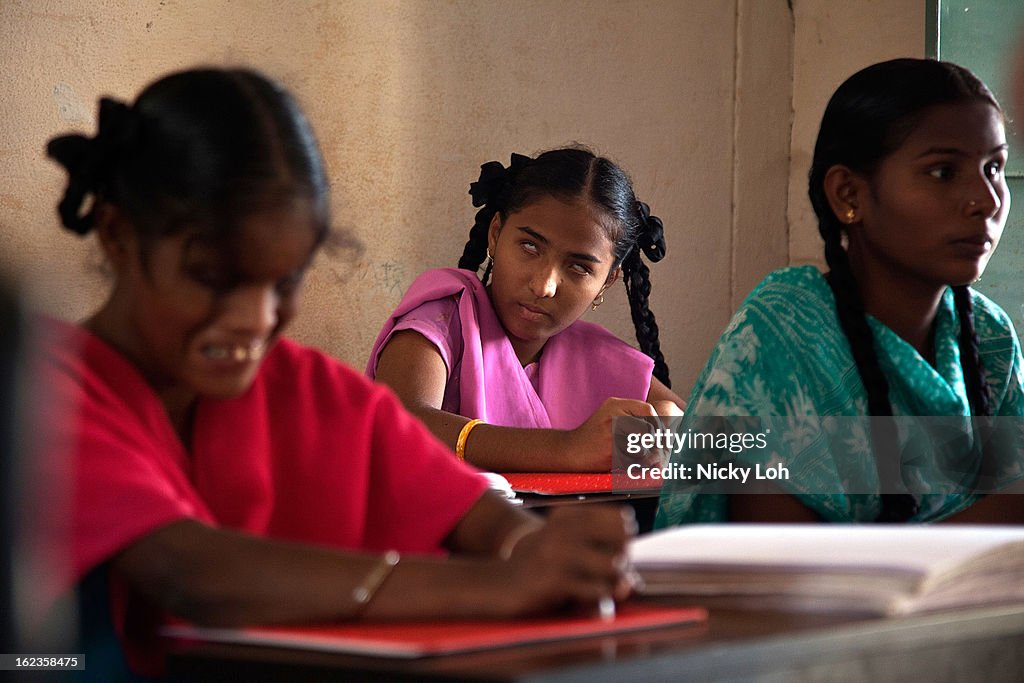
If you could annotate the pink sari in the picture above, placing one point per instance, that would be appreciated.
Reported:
(581, 366)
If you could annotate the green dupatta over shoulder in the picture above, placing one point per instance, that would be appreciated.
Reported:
(784, 355)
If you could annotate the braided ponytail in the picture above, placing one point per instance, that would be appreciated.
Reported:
(636, 276)
(978, 392)
(896, 507)
(850, 311)
(970, 359)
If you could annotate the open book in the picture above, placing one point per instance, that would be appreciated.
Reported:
(411, 639)
(880, 570)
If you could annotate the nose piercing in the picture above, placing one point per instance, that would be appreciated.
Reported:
(972, 203)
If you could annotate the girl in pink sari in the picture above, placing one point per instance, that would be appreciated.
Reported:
(507, 357)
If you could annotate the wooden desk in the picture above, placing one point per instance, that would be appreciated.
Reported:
(981, 645)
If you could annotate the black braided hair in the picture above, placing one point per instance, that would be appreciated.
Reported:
(637, 278)
(202, 148)
(868, 118)
(970, 359)
(572, 173)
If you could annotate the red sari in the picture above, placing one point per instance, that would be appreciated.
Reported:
(312, 452)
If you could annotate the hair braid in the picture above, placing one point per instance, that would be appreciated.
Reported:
(637, 278)
(970, 359)
(650, 242)
(896, 507)
(475, 251)
(976, 381)
(850, 310)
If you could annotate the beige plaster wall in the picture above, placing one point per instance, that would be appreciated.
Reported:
(694, 97)
(832, 41)
(762, 118)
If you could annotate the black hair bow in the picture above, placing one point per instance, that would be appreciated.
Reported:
(90, 161)
(495, 178)
(651, 236)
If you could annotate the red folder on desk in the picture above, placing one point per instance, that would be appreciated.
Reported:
(426, 639)
(577, 483)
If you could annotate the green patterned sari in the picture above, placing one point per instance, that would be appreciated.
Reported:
(784, 354)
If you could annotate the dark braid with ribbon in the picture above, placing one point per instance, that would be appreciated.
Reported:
(868, 118)
(650, 240)
(577, 173)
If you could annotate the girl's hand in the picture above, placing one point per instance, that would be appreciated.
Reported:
(666, 408)
(589, 447)
(577, 558)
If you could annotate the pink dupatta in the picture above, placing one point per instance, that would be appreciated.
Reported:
(581, 366)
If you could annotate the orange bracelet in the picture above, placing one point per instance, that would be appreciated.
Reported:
(460, 444)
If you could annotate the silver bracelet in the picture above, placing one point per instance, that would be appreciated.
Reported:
(513, 537)
(364, 592)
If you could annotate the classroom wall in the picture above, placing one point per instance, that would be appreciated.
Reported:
(832, 41)
(694, 97)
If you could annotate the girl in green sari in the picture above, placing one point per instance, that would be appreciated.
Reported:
(908, 187)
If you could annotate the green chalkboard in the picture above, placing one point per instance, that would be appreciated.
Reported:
(984, 36)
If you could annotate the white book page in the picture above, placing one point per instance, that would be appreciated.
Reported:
(905, 549)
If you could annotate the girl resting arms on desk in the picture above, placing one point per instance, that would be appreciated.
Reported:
(508, 357)
(907, 183)
(225, 474)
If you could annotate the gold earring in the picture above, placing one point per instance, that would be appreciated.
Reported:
(489, 263)
(851, 214)
(597, 302)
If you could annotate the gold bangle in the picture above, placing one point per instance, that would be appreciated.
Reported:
(374, 579)
(460, 444)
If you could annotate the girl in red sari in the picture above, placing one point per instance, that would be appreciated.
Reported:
(224, 474)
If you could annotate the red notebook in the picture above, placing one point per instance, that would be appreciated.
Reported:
(426, 639)
(577, 483)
